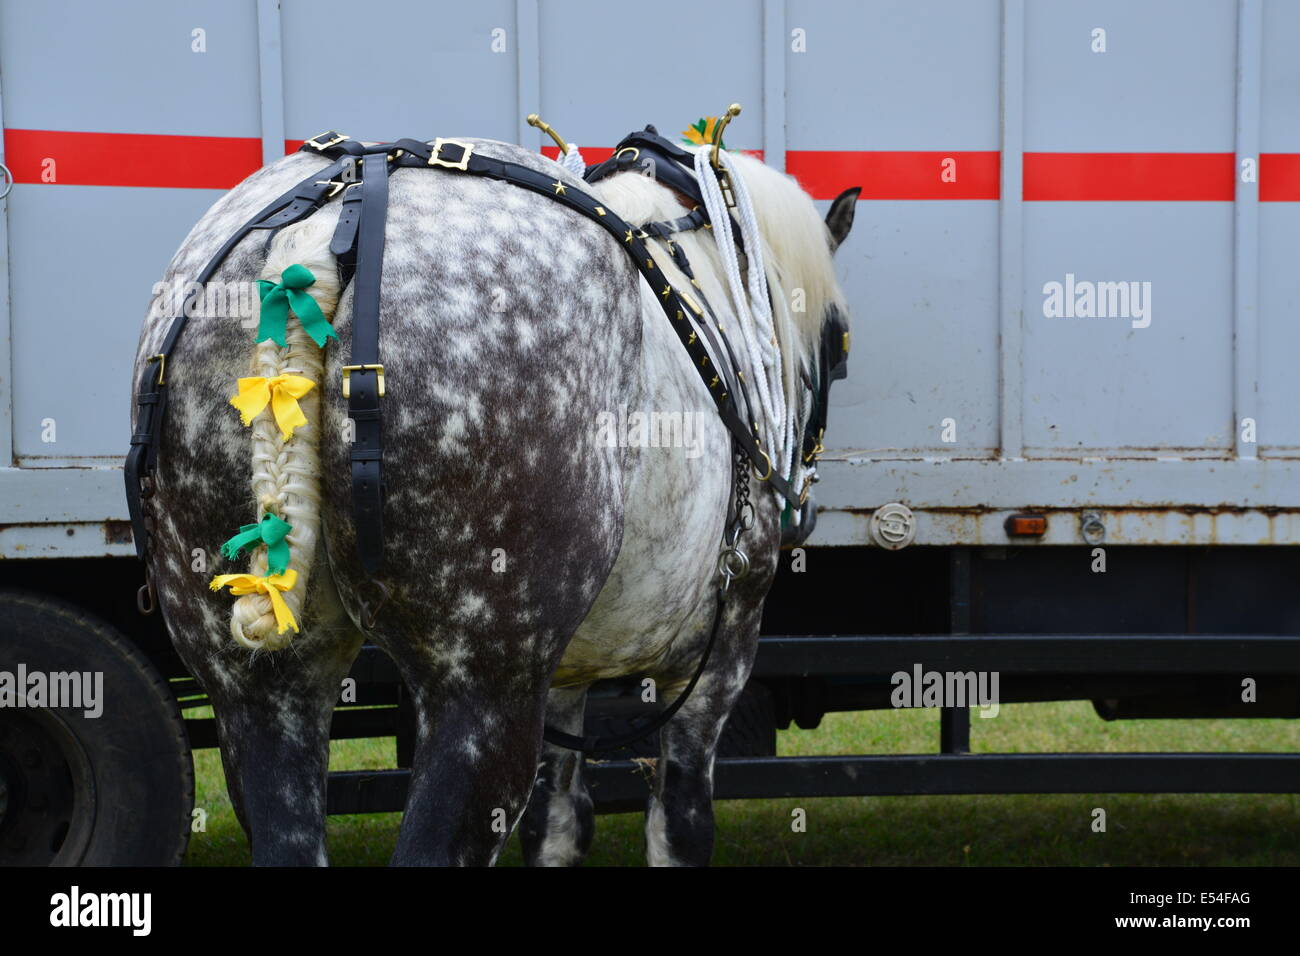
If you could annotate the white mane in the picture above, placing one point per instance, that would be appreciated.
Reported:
(796, 253)
(796, 242)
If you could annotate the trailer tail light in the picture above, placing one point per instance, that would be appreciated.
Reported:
(1026, 526)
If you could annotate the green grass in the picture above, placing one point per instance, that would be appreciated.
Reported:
(1015, 830)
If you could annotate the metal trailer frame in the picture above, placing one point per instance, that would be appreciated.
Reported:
(622, 785)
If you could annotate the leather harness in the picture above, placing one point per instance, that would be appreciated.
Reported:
(358, 245)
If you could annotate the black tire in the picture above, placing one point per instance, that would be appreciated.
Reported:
(112, 790)
(750, 731)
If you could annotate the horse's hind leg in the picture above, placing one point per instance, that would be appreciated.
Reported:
(273, 717)
(476, 753)
(557, 827)
(679, 811)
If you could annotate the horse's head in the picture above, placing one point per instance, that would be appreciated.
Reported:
(832, 362)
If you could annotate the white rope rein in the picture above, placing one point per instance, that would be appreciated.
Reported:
(752, 306)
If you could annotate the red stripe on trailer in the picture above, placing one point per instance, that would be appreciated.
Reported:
(220, 162)
(895, 174)
(130, 159)
(1129, 177)
(1279, 177)
(592, 154)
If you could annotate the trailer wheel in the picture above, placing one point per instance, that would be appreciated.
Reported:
(115, 788)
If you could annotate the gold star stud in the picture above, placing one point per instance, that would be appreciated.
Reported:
(691, 340)
(628, 237)
(667, 289)
(559, 188)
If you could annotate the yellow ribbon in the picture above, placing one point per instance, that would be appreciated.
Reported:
(281, 393)
(241, 584)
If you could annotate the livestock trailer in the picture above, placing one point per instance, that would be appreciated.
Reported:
(1067, 451)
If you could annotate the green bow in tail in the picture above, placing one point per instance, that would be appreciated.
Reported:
(279, 297)
(270, 531)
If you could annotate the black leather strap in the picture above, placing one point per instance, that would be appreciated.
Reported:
(364, 383)
(151, 391)
(599, 745)
(696, 218)
(673, 166)
(343, 245)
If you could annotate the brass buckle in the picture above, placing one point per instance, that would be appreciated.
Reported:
(467, 151)
(349, 369)
(338, 138)
(818, 448)
(338, 185)
(161, 359)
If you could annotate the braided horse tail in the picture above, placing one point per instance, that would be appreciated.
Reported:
(286, 472)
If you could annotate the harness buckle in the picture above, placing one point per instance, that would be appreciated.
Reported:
(817, 449)
(806, 490)
(161, 359)
(467, 150)
(349, 369)
(337, 138)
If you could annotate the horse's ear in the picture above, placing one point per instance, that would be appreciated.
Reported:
(839, 219)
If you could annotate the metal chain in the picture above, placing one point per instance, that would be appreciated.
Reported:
(733, 563)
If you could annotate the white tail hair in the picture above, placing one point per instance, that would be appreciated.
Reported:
(286, 474)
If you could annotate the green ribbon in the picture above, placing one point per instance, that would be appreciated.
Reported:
(270, 531)
(279, 297)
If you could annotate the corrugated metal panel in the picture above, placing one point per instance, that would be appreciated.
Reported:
(1279, 236)
(999, 151)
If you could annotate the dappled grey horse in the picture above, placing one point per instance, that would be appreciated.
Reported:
(535, 542)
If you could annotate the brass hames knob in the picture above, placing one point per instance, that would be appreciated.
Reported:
(536, 121)
(724, 179)
(732, 112)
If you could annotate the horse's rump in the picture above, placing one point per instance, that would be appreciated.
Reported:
(508, 323)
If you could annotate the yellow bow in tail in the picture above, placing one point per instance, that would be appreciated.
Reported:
(271, 586)
(281, 393)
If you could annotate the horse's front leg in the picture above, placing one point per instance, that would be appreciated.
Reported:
(557, 827)
(679, 812)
